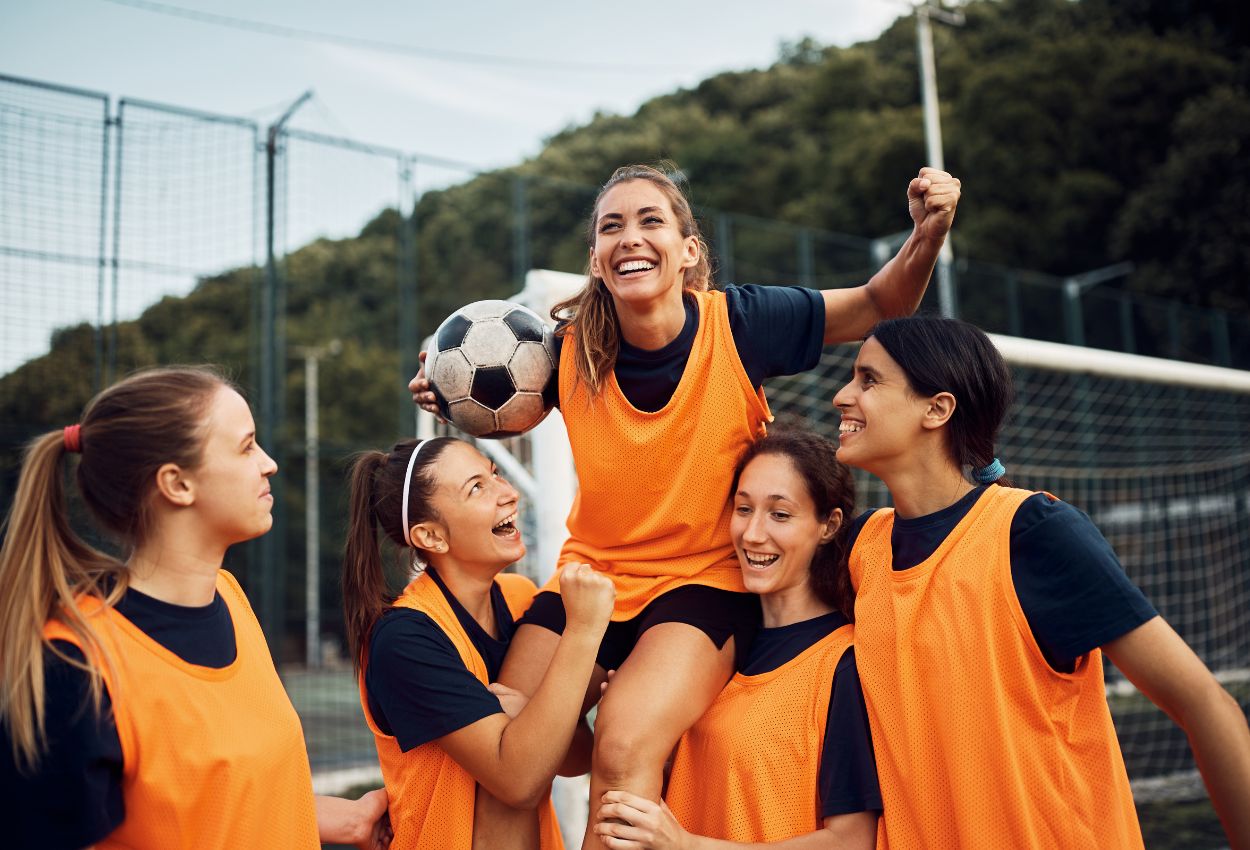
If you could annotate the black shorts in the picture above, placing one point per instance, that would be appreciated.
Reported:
(719, 614)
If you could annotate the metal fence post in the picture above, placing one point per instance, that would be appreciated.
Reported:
(111, 360)
(725, 248)
(273, 369)
(1074, 323)
(520, 230)
(409, 344)
(102, 272)
(807, 259)
(1221, 345)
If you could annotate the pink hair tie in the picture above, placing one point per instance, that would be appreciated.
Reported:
(73, 438)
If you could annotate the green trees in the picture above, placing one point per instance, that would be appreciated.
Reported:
(1084, 132)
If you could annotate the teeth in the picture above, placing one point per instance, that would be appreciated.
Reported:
(635, 266)
(850, 427)
(505, 521)
(758, 559)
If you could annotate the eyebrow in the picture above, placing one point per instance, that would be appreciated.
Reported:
(642, 211)
(470, 480)
(250, 435)
(867, 370)
(773, 496)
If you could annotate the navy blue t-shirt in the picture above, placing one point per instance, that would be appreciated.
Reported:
(74, 796)
(848, 768)
(1071, 586)
(778, 330)
(416, 683)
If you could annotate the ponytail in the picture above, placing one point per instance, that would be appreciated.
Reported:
(44, 565)
(127, 432)
(376, 510)
(365, 594)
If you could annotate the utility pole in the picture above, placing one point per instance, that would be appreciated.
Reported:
(933, 129)
(312, 500)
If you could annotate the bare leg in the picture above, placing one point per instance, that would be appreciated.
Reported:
(671, 677)
(497, 826)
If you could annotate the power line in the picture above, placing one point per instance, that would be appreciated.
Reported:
(437, 54)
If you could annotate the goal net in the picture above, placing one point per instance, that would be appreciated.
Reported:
(1157, 452)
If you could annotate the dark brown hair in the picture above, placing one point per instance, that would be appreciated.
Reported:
(937, 355)
(830, 486)
(376, 509)
(592, 315)
(128, 432)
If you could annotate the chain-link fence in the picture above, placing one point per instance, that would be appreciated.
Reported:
(134, 233)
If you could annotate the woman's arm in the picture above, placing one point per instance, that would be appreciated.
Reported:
(1163, 667)
(897, 288)
(362, 823)
(516, 759)
(645, 825)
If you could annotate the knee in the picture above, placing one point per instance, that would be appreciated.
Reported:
(623, 750)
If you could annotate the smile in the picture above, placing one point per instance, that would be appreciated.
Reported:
(759, 560)
(506, 527)
(632, 266)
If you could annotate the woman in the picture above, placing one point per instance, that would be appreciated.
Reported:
(982, 616)
(783, 756)
(141, 706)
(453, 747)
(653, 363)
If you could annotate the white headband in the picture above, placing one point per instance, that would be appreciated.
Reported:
(412, 460)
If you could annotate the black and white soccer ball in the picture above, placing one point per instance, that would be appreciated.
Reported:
(492, 366)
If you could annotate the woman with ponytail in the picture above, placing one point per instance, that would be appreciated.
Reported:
(660, 386)
(140, 705)
(983, 613)
(465, 760)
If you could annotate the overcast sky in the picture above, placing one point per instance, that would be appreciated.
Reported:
(524, 70)
(480, 83)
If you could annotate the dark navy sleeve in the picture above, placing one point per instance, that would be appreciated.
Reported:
(1071, 586)
(73, 797)
(418, 687)
(848, 767)
(778, 330)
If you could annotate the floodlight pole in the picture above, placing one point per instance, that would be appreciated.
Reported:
(933, 129)
(312, 499)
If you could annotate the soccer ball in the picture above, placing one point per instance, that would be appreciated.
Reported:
(492, 366)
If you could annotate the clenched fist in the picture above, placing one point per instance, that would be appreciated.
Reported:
(931, 199)
(588, 597)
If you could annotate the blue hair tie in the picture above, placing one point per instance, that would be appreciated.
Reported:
(989, 473)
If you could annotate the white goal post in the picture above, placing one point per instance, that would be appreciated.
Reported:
(1156, 451)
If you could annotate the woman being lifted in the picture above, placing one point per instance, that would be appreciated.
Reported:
(660, 388)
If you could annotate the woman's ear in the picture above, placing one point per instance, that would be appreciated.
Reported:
(430, 536)
(939, 410)
(174, 486)
(831, 525)
(594, 264)
(690, 257)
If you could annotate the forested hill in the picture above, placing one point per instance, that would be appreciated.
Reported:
(1084, 132)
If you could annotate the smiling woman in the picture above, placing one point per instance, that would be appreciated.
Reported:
(140, 696)
(983, 614)
(449, 740)
(783, 752)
